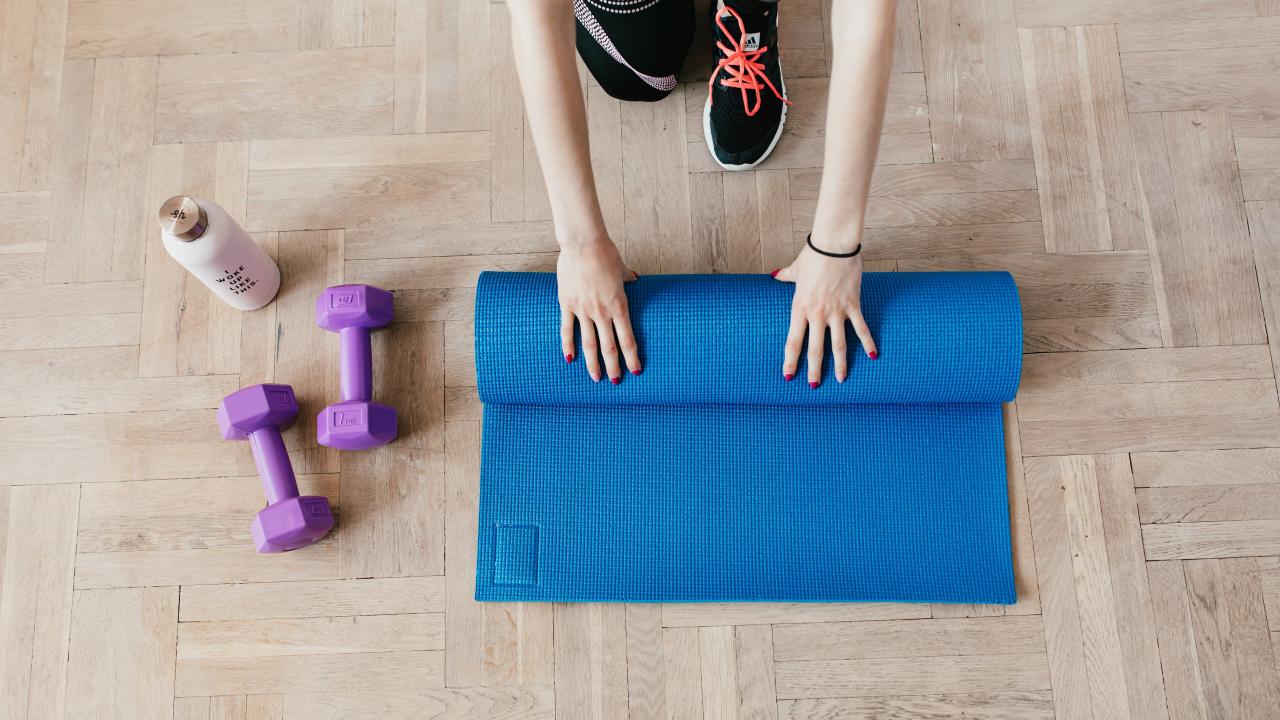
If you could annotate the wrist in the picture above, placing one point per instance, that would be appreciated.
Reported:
(838, 240)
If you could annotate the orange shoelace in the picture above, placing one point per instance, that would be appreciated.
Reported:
(743, 67)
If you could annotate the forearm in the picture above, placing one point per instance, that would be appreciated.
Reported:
(862, 35)
(543, 38)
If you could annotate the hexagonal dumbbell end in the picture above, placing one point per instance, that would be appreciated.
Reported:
(346, 306)
(254, 408)
(356, 425)
(292, 523)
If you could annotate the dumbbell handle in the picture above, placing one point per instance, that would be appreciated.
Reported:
(356, 374)
(274, 467)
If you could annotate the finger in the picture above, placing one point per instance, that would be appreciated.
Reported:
(627, 342)
(839, 349)
(590, 347)
(795, 341)
(566, 335)
(864, 334)
(630, 275)
(817, 334)
(785, 274)
(609, 350)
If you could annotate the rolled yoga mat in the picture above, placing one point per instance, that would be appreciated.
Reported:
(711, 478)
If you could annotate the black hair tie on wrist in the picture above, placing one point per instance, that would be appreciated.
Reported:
(809, 240)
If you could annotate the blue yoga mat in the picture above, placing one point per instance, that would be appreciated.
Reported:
(711, 478)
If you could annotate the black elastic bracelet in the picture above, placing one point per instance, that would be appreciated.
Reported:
(809, 240)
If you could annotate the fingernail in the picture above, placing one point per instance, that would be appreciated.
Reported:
(568, 358)
(635, 275)
(637, 371)
(873, 354)
(840, 378)
(788, 376)
(615, 380)
(595, 378)
(774, 274)
(813, 385)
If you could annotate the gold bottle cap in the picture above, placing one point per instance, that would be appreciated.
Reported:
(183, 218)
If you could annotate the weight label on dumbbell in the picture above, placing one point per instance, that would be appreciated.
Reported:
(347, 418)
(343, 299)
(279, 397)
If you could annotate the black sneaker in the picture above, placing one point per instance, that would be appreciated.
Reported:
(746, 97)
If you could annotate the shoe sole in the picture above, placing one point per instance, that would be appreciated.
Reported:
(782, 121)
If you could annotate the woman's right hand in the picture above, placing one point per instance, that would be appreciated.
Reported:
(590, 277)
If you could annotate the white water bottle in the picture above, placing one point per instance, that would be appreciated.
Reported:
(206, 241)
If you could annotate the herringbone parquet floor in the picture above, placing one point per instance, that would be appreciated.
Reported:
(1121, 157)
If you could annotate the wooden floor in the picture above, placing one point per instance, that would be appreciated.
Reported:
(1121, 157)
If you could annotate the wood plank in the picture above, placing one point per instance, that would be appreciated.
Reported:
(908, 638)
(345, 23)
(393, 496)
(135, 628)
(68, 365)
(1209, 503)
(377, 242)
(1086, 169)
(952, 209)
(977, 108)
(1232, 645)
(451, 34)
(1188, 173)
(96, 183)
(450, 272)
(473, 703)
(1059, 417)
(389, 673)
(1210, 32)
(104, 298)
(654, 171)
(952, 177)
(682, 652)
(464, 637)
(646, 663)
(24, 222)
(1241, 362)
(33, 37)
(1099, 624)
(1264, 230)
(111, 28)
(310, 636)
(590, 661)
(204, 565)
(1046, 12)
(310, 599)
(912, 676)
(711, 614)
(37, 550)
(1177, 641)
(1209, 467)
(103, 396)
(75, 331)
(1090, 333)
(1200, 79)
(506, 123)
(188, 514)
(1227, 539)
(303, 355)
(343, 91)
(994, 706)
(719, 673)
(391, 182)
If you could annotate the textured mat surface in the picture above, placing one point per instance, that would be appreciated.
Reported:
(710, 478)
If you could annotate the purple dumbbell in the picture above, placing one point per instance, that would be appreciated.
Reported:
(356, 423)
(258, 413)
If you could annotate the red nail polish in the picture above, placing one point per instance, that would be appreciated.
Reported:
(638, 371)
(615, 380)
(813, 386)
(788, 376)
(568, 358)
(774, 274)
(873, 354)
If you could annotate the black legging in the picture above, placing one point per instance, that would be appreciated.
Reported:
(650, 36)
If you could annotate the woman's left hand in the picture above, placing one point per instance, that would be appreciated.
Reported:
(828, 294)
